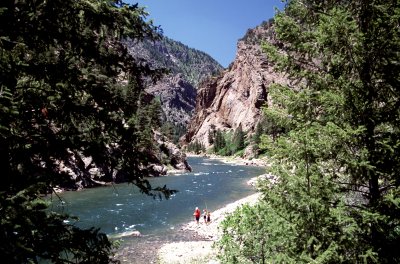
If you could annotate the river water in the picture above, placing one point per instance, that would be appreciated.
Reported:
(122, 209)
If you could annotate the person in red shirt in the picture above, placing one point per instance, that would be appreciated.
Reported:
(197, 214)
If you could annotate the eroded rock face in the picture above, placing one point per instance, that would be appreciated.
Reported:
(187, 68)
(174, 155)
(177, 96)
(82, 172)
(237, 95)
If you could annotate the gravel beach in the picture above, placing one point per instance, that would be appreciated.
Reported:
(200, 251)
(194, 242)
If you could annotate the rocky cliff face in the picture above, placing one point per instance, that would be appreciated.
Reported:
(187, 66)
(237, 95)
(177, 97)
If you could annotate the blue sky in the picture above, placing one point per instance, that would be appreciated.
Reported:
(212, 26)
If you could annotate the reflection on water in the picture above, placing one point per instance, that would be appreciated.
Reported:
(122, 209)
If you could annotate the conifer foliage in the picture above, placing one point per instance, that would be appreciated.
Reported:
(336, 193)
(68, 88)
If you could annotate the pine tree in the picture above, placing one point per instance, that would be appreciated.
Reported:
(336, 195)
(196, 147)
(257, 133)
(238, 139)
(62, 96)
(179, 131)
(155, 113)
(211, 136)
(220, 142)
(168, 130)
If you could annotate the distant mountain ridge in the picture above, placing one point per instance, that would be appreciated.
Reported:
(187, 66)
(194, 65)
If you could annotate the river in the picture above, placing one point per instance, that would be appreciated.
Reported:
(122, 209)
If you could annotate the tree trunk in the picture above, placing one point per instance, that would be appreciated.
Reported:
(5, 180)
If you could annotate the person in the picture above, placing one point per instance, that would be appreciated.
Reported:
(208, 217)
(205, 216)
(197, 214)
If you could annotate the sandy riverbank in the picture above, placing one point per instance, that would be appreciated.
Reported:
(261, 162)
(201, 251)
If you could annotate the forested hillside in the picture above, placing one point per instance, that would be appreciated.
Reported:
(194, 65)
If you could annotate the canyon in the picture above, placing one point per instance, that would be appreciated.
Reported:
(236, 96)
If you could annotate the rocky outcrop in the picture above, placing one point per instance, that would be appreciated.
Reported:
(171, 153)
(82, 172)
(177, 96)
(187, 68)
(167, 156)
(238, 94)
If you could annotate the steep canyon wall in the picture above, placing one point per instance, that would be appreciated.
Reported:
(237, 95)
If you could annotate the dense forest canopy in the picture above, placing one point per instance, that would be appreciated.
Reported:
(68, 89)
(336, 162)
